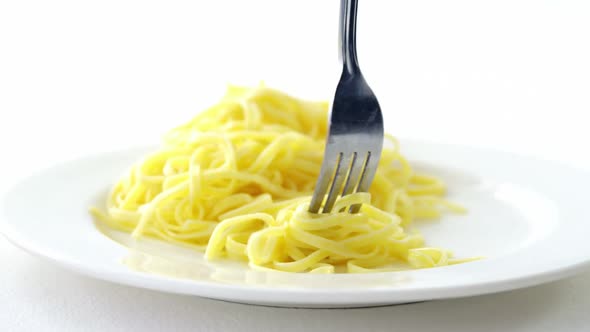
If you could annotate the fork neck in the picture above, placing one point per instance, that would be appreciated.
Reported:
(348, 9)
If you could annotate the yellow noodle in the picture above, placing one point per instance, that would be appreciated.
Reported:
(236, 181)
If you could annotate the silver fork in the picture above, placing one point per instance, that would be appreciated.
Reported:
(355, 137)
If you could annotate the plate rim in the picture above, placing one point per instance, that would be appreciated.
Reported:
(249, 295)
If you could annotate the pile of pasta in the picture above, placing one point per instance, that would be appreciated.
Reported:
(236, 182)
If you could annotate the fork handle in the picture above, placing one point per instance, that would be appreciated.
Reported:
(347, 54)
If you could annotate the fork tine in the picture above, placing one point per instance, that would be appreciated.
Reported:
(368, 173)
(326, 174)
(357, 171)
(342, 172)
(354, 176)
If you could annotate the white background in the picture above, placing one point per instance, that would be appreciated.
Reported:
(79, 77)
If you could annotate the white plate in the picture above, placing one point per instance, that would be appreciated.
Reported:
(528, 217)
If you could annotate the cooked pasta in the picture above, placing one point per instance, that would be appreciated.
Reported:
(236, 181)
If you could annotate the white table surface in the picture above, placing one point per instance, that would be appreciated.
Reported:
(83, 77)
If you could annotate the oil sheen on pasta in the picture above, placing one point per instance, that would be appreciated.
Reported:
(235, 182)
